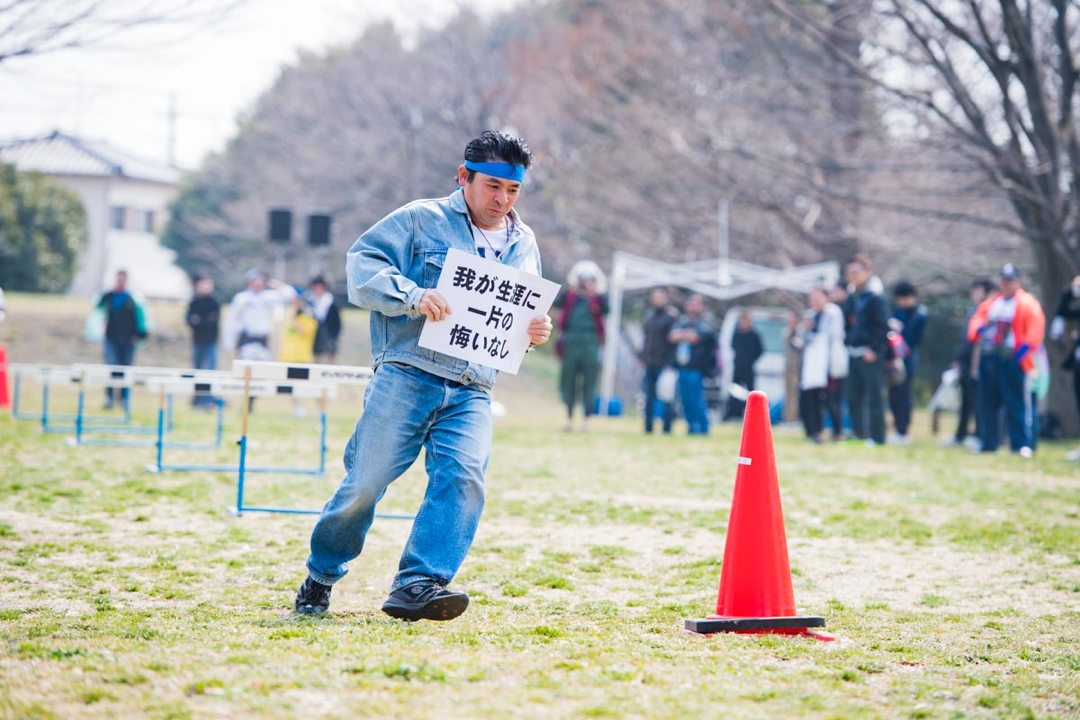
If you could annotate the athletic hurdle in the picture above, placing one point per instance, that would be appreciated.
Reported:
(131, 376)
(301, 374)
(46, 374)
(53, 375)
(81, 376)
(222, 384)
(124, 377)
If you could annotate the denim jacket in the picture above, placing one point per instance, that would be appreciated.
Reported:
(391, 265)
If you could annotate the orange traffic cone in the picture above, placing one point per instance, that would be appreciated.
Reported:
(5, 399)
(755, 581)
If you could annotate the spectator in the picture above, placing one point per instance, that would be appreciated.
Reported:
(966, 364)
(866, 341)
(125, 323)
(581, 335)
(909, 321)
(1009, 328)
(3, 306)
(298, 339)
(203, 317)
(694, 336)
(823, 336)
(657, 353)
(325, 310)
(836, 397)
(251, 316)
(1069, 309)
(746, 349)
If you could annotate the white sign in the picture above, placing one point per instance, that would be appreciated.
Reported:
(491, 305)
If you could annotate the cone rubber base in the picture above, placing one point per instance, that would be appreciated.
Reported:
(792, 624)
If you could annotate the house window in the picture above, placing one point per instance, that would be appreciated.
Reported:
(117, 217)
(148, 221)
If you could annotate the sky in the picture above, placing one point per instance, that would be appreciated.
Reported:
(123, 92)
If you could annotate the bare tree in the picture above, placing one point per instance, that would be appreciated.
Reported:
(36, 27)
(999, 81)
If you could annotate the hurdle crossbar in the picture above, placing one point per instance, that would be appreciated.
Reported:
(304, 372)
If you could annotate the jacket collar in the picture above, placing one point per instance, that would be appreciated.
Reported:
(457, 203)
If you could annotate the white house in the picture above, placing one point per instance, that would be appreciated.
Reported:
(126, 201)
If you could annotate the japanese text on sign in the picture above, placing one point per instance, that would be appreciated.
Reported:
(491, 306)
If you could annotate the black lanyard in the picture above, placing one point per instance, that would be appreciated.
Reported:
(469, 222)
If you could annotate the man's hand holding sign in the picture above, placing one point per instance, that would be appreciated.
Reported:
(500, 312)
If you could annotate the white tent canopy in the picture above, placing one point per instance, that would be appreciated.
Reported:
(722, 279)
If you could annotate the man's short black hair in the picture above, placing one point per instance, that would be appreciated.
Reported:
(905, 289)
(494, 146)
(986, 285)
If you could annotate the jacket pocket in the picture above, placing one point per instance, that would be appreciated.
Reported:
(432, 267)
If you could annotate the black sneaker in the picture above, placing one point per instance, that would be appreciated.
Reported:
(425, 600)
(313, 598)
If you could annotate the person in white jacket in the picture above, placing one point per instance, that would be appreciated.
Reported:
(250, 321)
(823, 337)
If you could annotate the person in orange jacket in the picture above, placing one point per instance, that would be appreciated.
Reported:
(1007, 329)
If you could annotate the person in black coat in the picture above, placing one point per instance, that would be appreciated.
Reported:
(657, 353)
(964, 363)
(204, 319)
(325, 309)
(867, 342)
(124, 325)
(746, 347)
(1069, 309)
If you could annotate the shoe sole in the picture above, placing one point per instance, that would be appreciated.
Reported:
(446, 608)
(310, 610)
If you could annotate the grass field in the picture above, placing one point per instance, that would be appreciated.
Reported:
(952, 581)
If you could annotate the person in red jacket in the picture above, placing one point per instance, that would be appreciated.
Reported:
(1007, 329)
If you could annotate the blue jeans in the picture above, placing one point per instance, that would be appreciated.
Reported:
(692, 395)
(118, 353)
(1001, 384)
(406, 408)
(652, 374)
(204, 357)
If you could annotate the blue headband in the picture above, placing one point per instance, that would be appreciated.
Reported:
(503, 170)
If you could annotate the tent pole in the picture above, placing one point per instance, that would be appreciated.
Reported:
(613, 333)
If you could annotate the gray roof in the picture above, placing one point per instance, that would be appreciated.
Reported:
(62, 154)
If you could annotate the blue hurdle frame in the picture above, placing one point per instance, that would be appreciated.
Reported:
(164, 427)
(42, 416)
(82, 422)
(243, 469)
(241, 508)
(160, 444)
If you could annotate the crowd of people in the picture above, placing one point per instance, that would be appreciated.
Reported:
(310, 332)
(852, 356)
